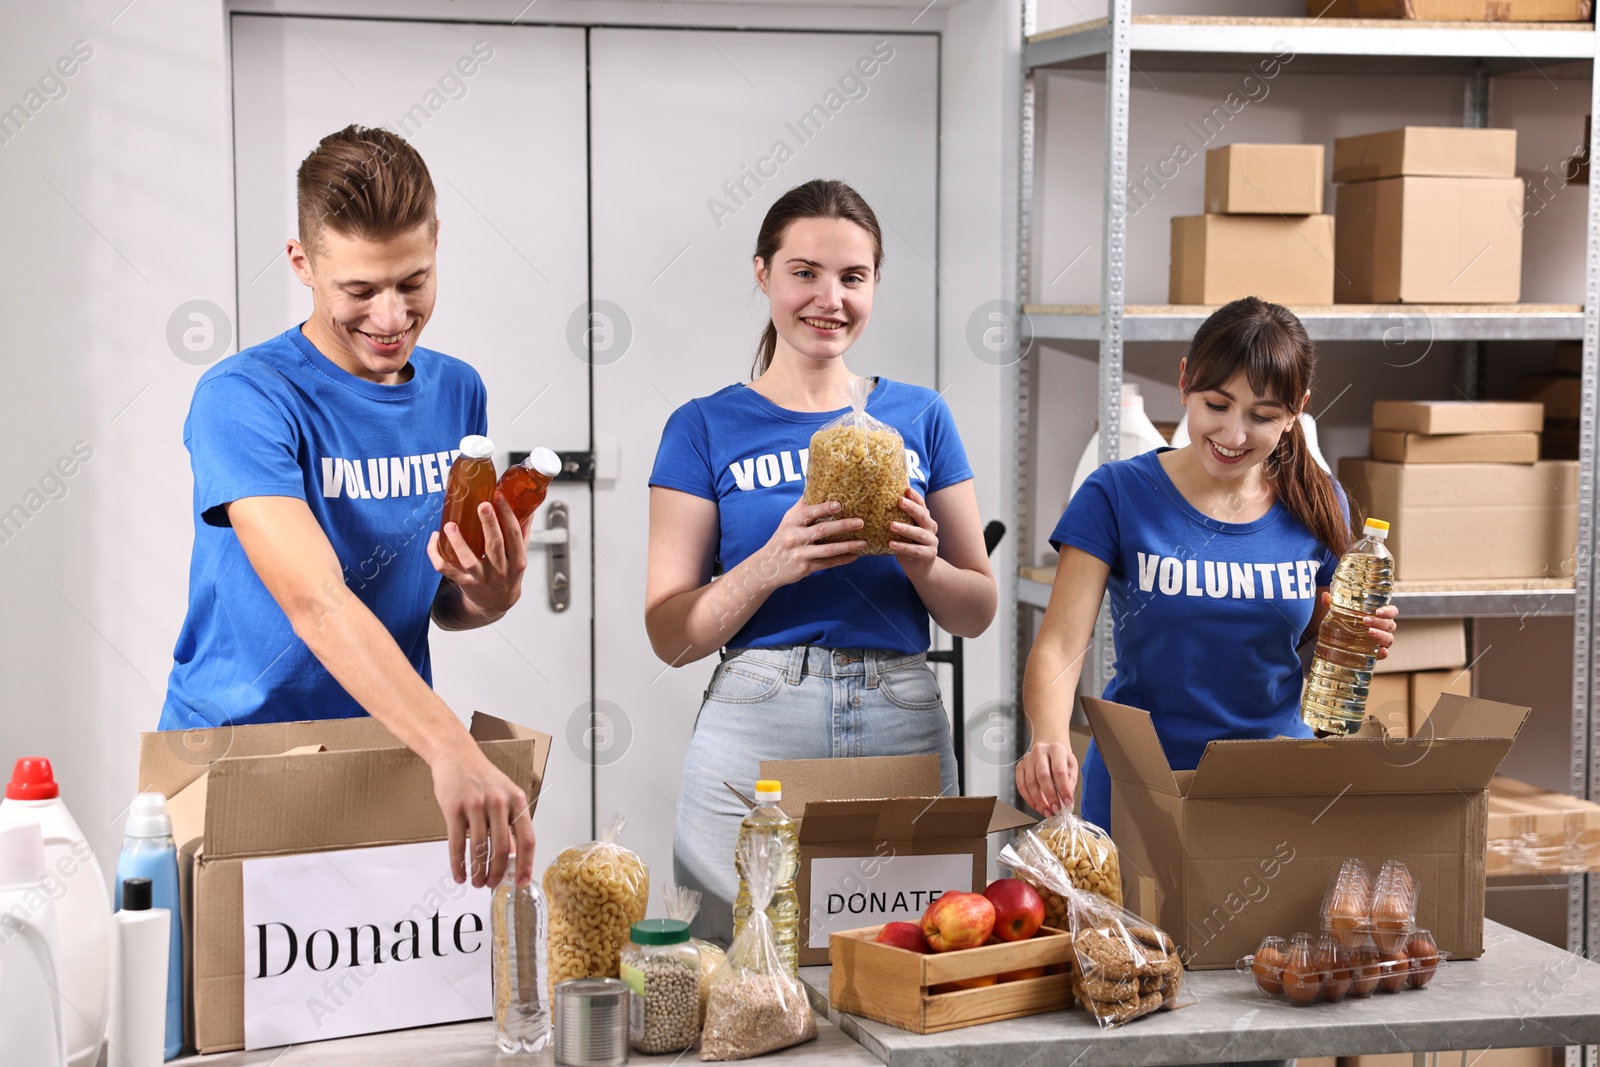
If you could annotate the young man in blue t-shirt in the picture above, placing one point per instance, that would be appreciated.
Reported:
(320, 460)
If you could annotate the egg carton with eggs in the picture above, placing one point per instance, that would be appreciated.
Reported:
(1357, 910)
(1307, 970)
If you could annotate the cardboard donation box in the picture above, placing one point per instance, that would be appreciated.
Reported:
(1218, 258)
(1452, 11)
(1243, 846)
(1264, 179)
(317, 896)
(878, 843)
(1472, 521)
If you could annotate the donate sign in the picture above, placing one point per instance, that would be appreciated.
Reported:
(850, 892)
(357, 941)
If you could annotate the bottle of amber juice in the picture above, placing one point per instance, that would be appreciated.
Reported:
(471, 483)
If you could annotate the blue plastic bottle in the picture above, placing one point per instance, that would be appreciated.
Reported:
(148, 851)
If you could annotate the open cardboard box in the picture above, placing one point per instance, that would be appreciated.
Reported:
(241, 792)
(878, 843)
(1243, 846)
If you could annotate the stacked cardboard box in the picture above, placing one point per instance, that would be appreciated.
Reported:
(1454, 10)
(1428, 215)
(1535, 831)
(1561, 393)
(1467, 521)
(1263, 234)
(1401, 702)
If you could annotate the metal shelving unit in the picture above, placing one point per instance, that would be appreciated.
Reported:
(1475, 52)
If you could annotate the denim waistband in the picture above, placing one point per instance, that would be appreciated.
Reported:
(796, 661)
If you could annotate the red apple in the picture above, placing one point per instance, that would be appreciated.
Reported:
(1026, 972)
(958, 920)
(964, 983)
(1018, 909)
(903, 935)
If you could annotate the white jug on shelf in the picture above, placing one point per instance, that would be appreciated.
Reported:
(33, 1028)
(1138, 435)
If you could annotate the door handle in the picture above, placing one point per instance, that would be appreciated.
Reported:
(555, 537)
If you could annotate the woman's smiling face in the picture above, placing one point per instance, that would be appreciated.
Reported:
(1234, 430)
(820, 284)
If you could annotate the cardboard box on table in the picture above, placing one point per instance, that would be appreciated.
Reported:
(1218, 258)
(1264, 179)
(1472, 521)
(243, 792)
(1453, 11)
(875, 832)
(1244, 845)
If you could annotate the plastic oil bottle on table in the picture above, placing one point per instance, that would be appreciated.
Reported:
(1335, 700)
(521, 993)
(784, 911)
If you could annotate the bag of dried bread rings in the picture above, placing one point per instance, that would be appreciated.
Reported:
(681, 903)
(1123, 967)
(861, 463)
(596, 892)
(1089, 856)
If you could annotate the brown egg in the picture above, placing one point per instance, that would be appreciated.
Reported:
(1347, 914)
(1391, 920)
(1396, 971)
(1424, 956)
(1301, 983)
(1331, 960)
(1364, 970)
(1268, 969)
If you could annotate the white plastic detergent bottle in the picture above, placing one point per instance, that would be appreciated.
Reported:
(148, 851)
(32, 1024)
(82, 905)
(1139, 435)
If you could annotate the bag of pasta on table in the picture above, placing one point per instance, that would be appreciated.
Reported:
(1089, 856)
(682, 903)
(1123, 967)
(596, 892)
(861, 463)
(755, 1006)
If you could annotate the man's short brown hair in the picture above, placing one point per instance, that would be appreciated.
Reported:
(363, 182)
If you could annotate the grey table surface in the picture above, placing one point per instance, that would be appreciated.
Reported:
(1522, 993)
(472, 1045)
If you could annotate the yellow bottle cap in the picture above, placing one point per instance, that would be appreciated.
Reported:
(1377, 524)
(769, 785)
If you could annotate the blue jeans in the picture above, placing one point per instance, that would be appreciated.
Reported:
(800, 702)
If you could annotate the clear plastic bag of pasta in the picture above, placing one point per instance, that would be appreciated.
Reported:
(1089, 856)
(596, 892)
(682, 903)
(861, 463)
(755, 1006)
(1123, 966)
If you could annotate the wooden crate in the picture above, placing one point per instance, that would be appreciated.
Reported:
(894, 985)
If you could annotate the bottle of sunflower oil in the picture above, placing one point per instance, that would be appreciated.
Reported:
(1335, 700)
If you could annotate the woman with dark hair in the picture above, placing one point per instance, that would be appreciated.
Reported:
(1217, 555)
(823, 649)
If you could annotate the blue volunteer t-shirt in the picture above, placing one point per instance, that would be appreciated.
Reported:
(1206, 615)
(748, 455)
(281, 419)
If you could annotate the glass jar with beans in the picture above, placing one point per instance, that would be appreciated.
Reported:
(662, 967)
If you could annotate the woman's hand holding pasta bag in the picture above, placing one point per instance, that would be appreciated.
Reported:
(797, 549)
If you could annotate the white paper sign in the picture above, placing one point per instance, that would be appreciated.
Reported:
(361, 940)
(854, 891)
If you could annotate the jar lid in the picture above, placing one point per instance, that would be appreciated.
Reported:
(660, 932)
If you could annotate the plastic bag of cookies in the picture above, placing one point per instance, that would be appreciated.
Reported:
(597, 891)
(1089, 856)
(861, 463)
(1124, 966)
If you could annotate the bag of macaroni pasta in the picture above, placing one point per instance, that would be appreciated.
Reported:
(682, 903)
(755, 1006)
(596, 892)
(1124, 967)
(861, 463)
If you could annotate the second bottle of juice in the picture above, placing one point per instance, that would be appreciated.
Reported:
(525, 484)
(471, 483)
(784, 911)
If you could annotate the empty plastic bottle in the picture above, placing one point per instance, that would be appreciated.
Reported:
(521, 993)
(1335, 700)
(768, 819)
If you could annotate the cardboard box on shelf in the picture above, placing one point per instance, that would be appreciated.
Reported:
(331, 789)
(1426, 689)
(1536, 831)
(1264, 179)
(1472, 521)
(1426, 152)
(1454, 11)
(1429, 240)
(1397, 446)
(1389, 701)
(1240, 845)
(1494, 1057)
(1457, 416)
(878, 843)
(1426, 645)
(1218, 258)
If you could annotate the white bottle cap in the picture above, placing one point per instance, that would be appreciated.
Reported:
(21, 855)
(545, 462)
(476, 446)
(147, 816)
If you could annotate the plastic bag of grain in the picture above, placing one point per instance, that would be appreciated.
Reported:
(861, 463)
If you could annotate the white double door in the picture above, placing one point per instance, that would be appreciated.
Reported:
(599, 196)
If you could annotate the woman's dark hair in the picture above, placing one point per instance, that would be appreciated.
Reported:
(1269, 344)
(817, 199)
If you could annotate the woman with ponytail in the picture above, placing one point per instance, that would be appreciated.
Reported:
(823, 649)
(1217, 555)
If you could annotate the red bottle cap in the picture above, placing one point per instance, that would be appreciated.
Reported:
(32, 779)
